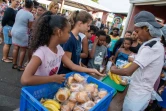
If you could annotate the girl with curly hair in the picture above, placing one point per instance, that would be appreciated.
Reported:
(48, 54)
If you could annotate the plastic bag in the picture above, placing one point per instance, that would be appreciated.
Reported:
(88, 105)
(102, 93)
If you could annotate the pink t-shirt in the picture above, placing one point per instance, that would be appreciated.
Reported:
(50, 60)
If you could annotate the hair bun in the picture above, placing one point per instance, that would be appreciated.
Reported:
(77, 11)
(27, 1)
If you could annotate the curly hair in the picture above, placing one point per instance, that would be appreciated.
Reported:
(44, 28)
(129, 39)
(93, 28)
(100, 32)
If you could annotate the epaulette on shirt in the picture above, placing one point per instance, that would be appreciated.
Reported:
(150, 44)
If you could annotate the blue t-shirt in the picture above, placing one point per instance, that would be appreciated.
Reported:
(74, 46)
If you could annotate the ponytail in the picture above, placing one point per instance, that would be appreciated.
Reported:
(41, 34)
(44, 29)
(76, 16)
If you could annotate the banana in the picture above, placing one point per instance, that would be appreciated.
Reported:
(50, 107)
(115, 79)
(110, 74)
(53, 102)
(127, 65)
(118, 78)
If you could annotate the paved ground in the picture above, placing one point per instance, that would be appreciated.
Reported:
(9, 86)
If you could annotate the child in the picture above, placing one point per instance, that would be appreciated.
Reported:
(30, 53)
(91, 32)
(147, 65)
(107, 44)
(123, 53)
(120, 42)
(108, 41)
(88, 34)
(106, 30)
(97, 51)
(80, 23)
(94, 35)
(48, 54)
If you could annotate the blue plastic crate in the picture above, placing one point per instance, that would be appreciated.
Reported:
(31, 95)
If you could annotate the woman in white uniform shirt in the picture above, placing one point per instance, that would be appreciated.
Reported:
(147, 64)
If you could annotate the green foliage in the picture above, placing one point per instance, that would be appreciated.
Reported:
(95, 1)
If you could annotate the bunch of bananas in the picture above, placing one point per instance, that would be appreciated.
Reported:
(127, 65)
(51, 105)
(117, 79)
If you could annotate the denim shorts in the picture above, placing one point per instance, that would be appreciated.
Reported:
(7, 39)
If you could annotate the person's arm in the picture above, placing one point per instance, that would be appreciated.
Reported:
(31, 20)
(92, 51)
(6, 16)
(164, 67)
(142, 60)
(84, 53)
(67, 62)
(68, 48)
(28, 77)
(117, 45)
(116, 55)
(126, 71)
(130, 59)
(105, 58)
(30, 25)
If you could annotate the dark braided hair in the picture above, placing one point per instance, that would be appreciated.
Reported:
(44, 28)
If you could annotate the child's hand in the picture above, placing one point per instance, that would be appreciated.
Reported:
(111, 58)
(161, 89)
(96, 40)
(95, 72)
(59, 78)
(113, 67)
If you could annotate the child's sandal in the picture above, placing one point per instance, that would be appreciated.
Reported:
(20, 68)
(14, 66)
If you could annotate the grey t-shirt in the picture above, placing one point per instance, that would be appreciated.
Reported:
(100, 50)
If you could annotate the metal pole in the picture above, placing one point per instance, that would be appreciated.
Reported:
(62, 4)
(127, 20)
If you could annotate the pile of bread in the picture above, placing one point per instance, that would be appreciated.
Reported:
(78, 95)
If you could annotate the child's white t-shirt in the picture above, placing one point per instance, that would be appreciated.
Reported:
(50, 61)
